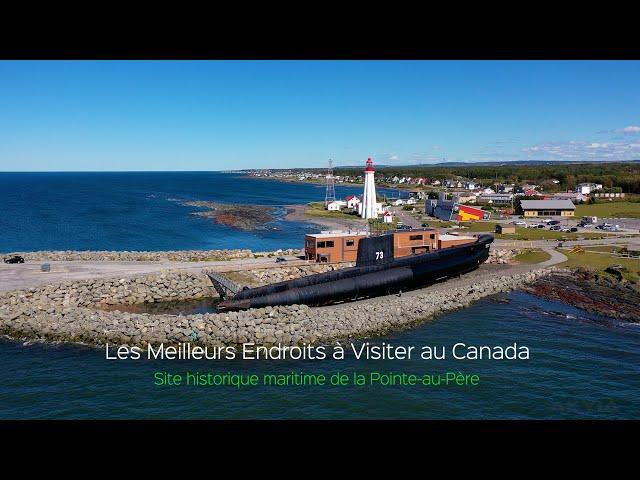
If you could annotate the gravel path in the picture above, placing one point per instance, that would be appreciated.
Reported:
(27, 275)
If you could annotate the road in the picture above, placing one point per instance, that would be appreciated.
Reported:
(27, 275)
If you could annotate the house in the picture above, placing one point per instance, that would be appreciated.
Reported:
(435, 183)
(352, 201)
(336, 206)
(467, 198)
(530, 192)
(495, 198)
(587, 188)
(470, 186)
(505, 228)
(548, 208)
(453, 183)
(387, 217)
(505, 188)
(399, 202)
(575, 197)
(411, 201)
(488, 191)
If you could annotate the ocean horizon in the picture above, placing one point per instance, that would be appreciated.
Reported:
(145, 211)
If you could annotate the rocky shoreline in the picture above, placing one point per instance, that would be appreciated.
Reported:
(241, 217)
(69, 312)
(600, 293)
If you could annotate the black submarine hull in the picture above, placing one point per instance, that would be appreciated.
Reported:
(368, 279)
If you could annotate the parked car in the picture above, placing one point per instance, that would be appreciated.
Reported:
(280, 259)
(553, 222)
(425, 224)
(13, 259)
(586, 225)
(547, 220)
(565, 229)
(555, 228)
(520, 223)
(573, 229)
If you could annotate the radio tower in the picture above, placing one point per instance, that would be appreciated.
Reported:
(330, 195)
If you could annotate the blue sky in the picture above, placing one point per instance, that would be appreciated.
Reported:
(206, 115)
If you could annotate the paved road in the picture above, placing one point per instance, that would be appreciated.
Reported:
(27, 275)
(556, 257)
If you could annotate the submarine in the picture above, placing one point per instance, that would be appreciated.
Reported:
(382, 267)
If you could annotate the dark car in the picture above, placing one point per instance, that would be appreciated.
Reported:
(573, 229)
(13, 259)
(280, 259)
(553, 222)
(425, 224)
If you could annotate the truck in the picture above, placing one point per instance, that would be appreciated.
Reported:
(587, 220)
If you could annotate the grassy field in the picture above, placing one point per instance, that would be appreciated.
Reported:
(479, 226)
(608, 209)
(532, 256)
(545, 234)
(599, 262)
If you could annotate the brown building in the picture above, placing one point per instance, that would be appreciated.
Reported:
(343, 246)
(505, 229)
(332, 247)
(409, 242)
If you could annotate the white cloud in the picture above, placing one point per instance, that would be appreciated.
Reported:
(394, 157)
(582, 150)
(631, 129)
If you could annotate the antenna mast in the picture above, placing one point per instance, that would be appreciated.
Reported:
(330, 195)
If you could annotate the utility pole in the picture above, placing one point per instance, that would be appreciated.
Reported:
(330, 195)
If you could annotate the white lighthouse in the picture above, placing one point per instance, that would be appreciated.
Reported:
(368, 209)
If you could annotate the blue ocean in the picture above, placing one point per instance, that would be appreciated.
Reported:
(581, 366)
(145, 211)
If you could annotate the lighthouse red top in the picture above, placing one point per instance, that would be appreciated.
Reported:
(369, 165)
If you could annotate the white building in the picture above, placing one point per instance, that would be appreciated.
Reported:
(352, 201)
(399, 202)
(387, 217)
(587, 188)
(368, 207)
(336, 206)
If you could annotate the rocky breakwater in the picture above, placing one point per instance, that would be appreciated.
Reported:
(264, 276)
(34, 315)
(501, 255)
(135, 256)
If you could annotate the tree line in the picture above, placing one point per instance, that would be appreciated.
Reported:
(623, 175)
